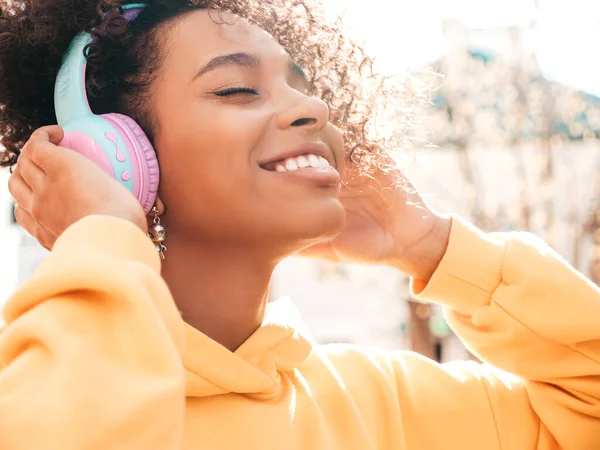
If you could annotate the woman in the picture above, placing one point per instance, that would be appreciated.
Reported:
(105, 348)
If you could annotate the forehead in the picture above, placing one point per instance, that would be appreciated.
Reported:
(205, 34)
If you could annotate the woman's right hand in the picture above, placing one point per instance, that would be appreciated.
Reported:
(54, 187)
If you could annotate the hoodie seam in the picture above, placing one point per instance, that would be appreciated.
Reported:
(570, 347)
(494, 419)
(488, 292)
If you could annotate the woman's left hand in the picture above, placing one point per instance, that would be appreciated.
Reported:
(387, 222)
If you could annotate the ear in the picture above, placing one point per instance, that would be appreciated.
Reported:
(159, 204)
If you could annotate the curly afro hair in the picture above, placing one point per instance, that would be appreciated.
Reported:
(375, 113)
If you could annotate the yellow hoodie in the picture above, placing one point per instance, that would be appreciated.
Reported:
(94, 355)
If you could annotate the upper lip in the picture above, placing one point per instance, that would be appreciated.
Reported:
(315, 148)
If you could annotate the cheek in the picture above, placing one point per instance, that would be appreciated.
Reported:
(207, 157)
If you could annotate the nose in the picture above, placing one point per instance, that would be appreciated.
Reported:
(306, 113)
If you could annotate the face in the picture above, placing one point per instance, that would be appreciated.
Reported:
(235, 130)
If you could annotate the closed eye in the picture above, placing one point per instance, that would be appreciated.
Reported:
(234, 91)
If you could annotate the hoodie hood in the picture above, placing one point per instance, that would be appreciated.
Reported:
(281, 344)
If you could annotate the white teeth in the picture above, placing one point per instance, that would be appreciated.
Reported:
(301, 162)
(313, 160)
(324, 162)
(291, 164)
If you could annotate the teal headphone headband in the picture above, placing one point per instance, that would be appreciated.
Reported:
(115, 142)
(70, 87)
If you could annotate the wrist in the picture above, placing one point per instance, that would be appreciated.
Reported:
(422, 259)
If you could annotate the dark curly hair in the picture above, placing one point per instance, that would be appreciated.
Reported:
(124, 58)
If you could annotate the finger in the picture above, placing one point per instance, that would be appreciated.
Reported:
(321, 250)
(20, 191)
(51, 133)
(26, 220)
(44, 154)
(42, 148)
(32, 174)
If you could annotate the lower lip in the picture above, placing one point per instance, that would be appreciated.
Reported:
(326, 176)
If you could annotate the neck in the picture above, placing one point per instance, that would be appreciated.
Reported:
(221, 291)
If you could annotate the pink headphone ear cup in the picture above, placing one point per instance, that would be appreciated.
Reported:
(143, 156)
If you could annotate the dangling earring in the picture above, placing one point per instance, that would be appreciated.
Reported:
(158, 234)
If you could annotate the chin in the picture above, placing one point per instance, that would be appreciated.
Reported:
(318, 222)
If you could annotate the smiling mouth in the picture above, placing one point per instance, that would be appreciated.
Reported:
(306, 161)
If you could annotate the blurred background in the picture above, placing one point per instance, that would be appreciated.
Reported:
(514, 128)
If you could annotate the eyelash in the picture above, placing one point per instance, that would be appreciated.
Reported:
(234, 91)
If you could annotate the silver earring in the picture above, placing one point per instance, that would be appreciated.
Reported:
(158, 234)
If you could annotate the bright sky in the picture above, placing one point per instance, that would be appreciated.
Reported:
(404, 33)
(567, 43)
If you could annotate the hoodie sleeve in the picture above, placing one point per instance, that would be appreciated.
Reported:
(90, 350)
(520, 307)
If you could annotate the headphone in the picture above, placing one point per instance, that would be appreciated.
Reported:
(113, 141)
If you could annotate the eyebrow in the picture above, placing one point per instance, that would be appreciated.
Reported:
(244, 60)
